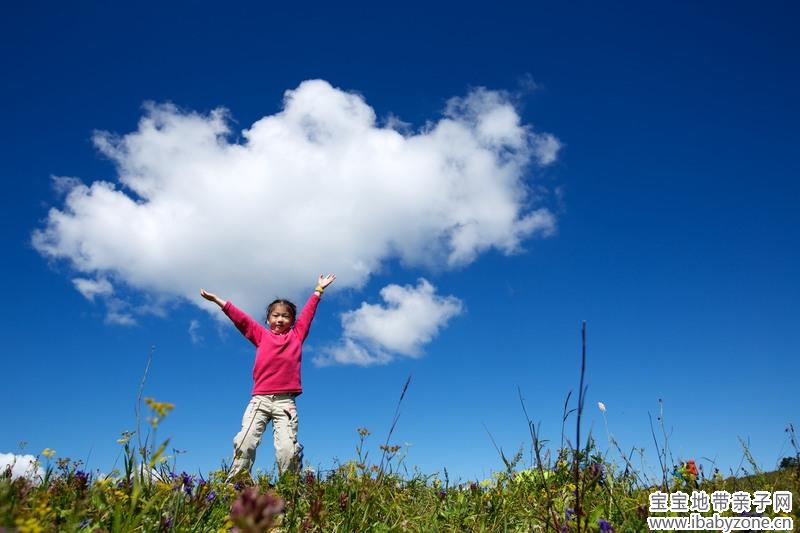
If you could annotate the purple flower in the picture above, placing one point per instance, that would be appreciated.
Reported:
(255, 512)
(187, 482)
(81, 479)
(211, 496)
(605, 526)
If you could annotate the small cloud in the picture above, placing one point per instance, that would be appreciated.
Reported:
(64, 184)
(601, 406)
(377, 333)
(90, 288)
(349, 352)
(527, 84)
(393, 122)
(194, 332)
(118, 314)
(120, 319)
(546, 148)
(22, 466)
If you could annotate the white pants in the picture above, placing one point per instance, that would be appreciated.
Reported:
(281, 410)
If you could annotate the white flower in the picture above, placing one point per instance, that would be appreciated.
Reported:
(602, 406)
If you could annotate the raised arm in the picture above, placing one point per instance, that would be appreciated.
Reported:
(243, 322)
(303, 322)
(213, 298)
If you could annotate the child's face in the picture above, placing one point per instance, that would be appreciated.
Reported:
(280, 319)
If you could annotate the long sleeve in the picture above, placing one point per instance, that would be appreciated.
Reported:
(303, 322)
(244, 323)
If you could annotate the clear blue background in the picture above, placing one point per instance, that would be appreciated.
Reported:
(677, 238)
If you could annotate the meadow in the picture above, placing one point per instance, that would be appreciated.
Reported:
(569, 488)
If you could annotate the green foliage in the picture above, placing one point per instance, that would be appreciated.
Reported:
(576, 489)
(790, 462)
(353, 496)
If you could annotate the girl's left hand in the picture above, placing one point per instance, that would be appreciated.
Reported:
(324, 281)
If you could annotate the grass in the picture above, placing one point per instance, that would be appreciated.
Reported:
(354, 496)
(574, 488)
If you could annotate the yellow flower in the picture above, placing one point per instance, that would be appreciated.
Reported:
(47, 452)
(160, 408)
(28, 525)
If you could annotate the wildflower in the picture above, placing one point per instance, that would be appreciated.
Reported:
(601, 406)
(187, 482)
(605, 526)
(160, 408)
(363, 432)
(568, 513)
(49, 453)
(28, 525)
(81, 479)
(253, 512)
(343, 500)
(211, 496)
(315, 510)
(596, 472)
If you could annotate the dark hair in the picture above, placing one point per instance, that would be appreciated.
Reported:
(286, 303)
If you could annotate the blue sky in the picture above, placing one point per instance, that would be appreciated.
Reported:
(671, 193)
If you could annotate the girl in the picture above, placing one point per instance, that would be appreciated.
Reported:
(276, 376)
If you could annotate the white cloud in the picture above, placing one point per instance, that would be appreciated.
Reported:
(375, 334)
(64, 184)
(194, 331)
(318, 186)
(546, 148)
(117, 309)
(90, 288)
(117, 313)
(21, 466)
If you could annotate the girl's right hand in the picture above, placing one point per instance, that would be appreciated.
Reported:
(208, 296)
(212, 298)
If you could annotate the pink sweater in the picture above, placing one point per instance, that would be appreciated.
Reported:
(278, 356)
